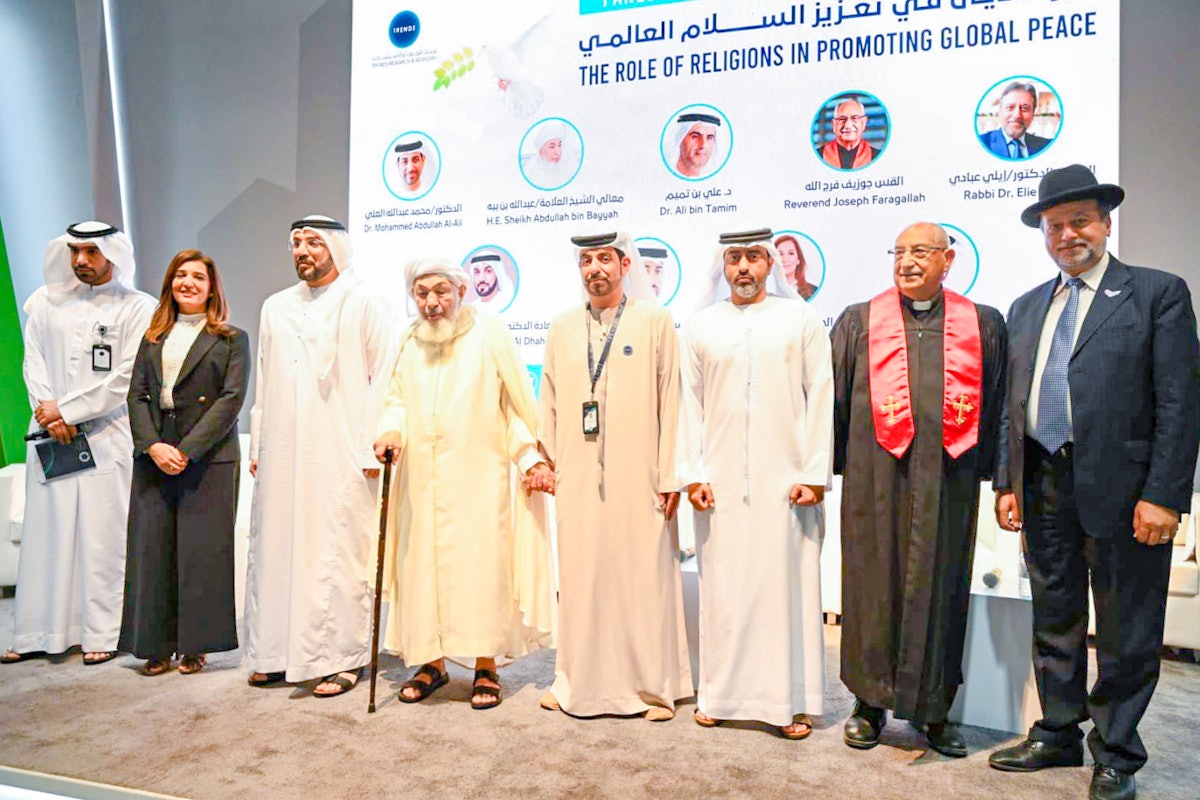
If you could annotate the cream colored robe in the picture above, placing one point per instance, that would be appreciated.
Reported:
(469, 564)
(621, 642)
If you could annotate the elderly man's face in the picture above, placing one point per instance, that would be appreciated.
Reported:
(1016, 113)
(697, 147)
(602, 269)
(89, 264)
(746, 270)
(654, 271)
(849, 122)
(411, 165)
(922, 260)
(311, 255)
(438, 299)
(1076, 234)
(484, 277)
(551, 151)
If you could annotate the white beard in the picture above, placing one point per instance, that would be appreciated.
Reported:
(746, 291)
(437, 331)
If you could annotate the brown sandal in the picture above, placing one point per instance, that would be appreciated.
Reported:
(192, 664)
(155, 666)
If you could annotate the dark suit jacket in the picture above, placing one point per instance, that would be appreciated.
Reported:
(995, 142)
(1135, 396)
(208, 396)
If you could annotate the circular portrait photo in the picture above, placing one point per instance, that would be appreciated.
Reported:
(551, 153)
(1018, 117)
(411, 165)
(696, 142)
(662, 267)
(803, 262)
(964, 271)
(850, 130)
(492, 276)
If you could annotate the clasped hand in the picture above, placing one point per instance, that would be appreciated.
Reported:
(168, 458)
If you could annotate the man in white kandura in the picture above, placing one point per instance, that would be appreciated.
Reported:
(470, 561)
(323, 363)
(756, 436)
(81, 336)
(609, 401)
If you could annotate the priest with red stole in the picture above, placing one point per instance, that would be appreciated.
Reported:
(919, 376)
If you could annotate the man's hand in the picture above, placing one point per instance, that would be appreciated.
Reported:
(253, 468)
(371, 474)
(167, 458)
(805, 495)
(47, 412)
(700, 495)
(1154, 524)
(391, 439)
(1008, 515)
(669, 503)
(61, 432)
(539, 478)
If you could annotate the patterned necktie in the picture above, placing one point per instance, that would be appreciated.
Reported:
(1053, 427)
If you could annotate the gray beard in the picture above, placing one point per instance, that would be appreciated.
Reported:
(435, 331)
(746, 291)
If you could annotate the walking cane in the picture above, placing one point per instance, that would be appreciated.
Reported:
(383, 521)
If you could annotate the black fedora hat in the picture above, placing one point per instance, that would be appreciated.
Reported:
(1075, 182)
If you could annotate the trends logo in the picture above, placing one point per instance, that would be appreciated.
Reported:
(404, 29)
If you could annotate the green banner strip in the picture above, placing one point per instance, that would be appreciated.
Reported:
(14, 401)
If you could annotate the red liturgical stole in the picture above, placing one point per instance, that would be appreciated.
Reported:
(891, 398)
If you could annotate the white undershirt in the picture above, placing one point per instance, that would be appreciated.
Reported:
(1091, 284)
(175, 349)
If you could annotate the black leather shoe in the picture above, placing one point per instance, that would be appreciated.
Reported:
(1112, 784)
(1032, 755)
(865, 724)
(946, 738)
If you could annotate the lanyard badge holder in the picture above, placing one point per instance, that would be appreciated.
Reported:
(101, 353)
(591, 409)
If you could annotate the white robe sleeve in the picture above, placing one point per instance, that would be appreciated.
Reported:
(816, 429)
(548, 417)
(33, 368)
(690, 454)
(380, 358)
(110, 392)
(394, 417)
(668, 404)
(260, 372)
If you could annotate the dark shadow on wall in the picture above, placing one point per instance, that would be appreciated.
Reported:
(258, 218)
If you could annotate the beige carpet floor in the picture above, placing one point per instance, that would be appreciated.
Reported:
(210, 736)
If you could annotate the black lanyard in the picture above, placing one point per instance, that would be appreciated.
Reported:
(595, 369)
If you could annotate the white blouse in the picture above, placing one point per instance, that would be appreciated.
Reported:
(175, 349)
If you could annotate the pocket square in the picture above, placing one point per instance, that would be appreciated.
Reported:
(1111, 292)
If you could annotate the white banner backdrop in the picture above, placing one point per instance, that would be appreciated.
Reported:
(490, 132)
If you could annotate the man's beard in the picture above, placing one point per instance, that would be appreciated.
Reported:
(747, 291)
(486, 290)
(436, 331)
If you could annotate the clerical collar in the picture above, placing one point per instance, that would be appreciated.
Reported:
(920, 305)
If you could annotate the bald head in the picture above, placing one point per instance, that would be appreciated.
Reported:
(849, 122)
(922, 260)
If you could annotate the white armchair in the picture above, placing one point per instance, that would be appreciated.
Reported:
(12, 516)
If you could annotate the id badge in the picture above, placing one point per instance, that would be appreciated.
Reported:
(101, 358)
(591, 418)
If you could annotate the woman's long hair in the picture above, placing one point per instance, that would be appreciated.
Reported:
(801, 264)
(216, 309)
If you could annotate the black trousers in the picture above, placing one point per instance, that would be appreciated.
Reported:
(1129, 584)
(179, 561)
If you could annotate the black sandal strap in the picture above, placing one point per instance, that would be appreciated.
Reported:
(487, 675)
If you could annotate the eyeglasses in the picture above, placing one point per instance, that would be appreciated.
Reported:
(919, 253)
(753, 255)
(313, 242)
(857, 119)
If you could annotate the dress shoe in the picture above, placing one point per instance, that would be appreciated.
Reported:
(1032, 755)
(1112, 784)
(865, 724)
(946, 738)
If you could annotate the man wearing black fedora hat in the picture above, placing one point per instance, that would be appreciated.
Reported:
(1103, 432)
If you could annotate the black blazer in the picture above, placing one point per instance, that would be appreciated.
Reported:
(1135, 395)
(208, 396)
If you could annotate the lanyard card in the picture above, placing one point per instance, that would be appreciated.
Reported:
(101, 358)
(591, 418)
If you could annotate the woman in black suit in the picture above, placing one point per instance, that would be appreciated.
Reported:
(188, 384)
